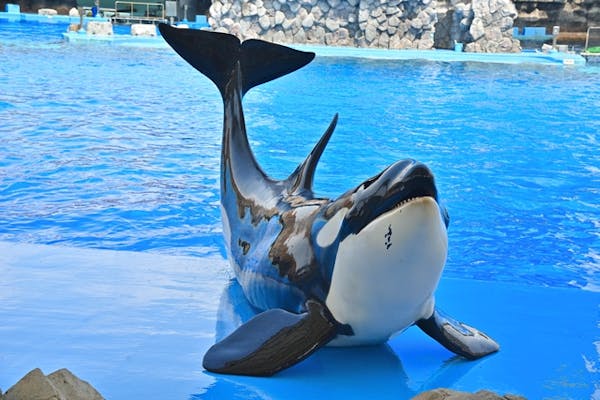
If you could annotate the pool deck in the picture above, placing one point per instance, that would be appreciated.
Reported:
(137, 324)
(550, 58)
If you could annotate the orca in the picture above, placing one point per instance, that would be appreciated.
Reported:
(343, 272)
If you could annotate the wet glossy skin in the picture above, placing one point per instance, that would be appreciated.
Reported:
(349, 271)
(271, 226)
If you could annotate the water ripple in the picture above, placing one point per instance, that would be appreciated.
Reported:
(119, 148)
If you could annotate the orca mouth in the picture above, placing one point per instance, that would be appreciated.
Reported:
(418, 183)
(396, 186)
(405, 202)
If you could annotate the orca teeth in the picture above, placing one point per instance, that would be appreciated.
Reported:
(405, 201)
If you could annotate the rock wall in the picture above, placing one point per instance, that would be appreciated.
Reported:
(361, 23)
(570, 15)
(484, 25)
(491, 27)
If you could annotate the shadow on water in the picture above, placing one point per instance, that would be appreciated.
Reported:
(355, 372)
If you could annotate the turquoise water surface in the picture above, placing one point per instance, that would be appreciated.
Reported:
(117, 148)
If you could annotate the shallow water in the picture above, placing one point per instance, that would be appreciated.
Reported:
(113, 147)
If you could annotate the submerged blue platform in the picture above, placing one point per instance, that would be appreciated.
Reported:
(136, 325)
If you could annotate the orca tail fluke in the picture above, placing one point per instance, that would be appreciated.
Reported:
(217, 55)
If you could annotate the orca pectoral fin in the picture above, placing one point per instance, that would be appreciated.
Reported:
(457, 337)
(271, 341)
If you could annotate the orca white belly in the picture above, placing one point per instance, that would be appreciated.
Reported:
(385, 276)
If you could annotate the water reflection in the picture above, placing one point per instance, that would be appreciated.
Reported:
(357, 372)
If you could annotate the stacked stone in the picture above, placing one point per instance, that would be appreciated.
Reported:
(454, 18)
(362, 23)
(301, 21)
(396, 24)
(483, 25)
(393, 24)
(491, 27)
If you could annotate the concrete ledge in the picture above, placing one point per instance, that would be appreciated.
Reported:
(447, 55)
(143, 30)
(47, 11)
(100, 28)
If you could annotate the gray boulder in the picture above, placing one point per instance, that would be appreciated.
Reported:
(448, 394)
(59, 385)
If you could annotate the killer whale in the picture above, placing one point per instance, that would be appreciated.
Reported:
(349, 271)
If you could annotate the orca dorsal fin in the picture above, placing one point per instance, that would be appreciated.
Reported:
(216, 55)
(302, 178)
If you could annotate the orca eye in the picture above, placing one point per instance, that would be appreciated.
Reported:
(369, 182)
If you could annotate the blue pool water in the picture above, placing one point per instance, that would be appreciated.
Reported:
(118, 148)
(108, 147)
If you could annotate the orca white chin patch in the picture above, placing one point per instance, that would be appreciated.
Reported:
(385, 276)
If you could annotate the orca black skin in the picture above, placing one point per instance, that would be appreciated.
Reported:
(349, 271)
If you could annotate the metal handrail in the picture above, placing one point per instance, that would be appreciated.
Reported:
(587, 36)
(123, 5)
(102, 10)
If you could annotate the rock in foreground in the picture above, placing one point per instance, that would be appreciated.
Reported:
(448, 394)
(59, 385)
